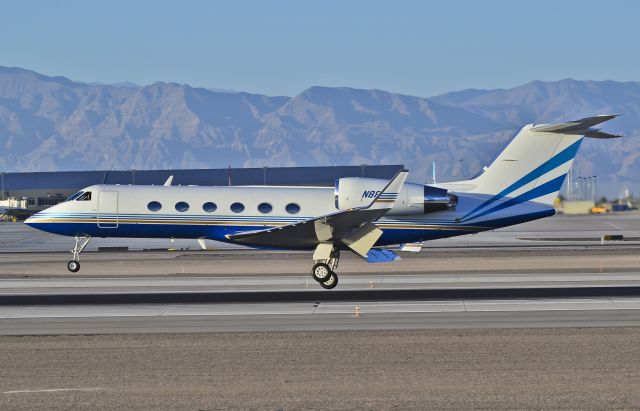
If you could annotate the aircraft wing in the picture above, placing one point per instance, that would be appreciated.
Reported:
(311, 232)
(353, 228)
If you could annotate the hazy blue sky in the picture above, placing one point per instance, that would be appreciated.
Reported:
(281, 47)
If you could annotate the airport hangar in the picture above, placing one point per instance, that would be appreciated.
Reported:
(44, 189)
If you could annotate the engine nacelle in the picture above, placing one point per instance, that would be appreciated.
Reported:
(438, 199)
(351, 192)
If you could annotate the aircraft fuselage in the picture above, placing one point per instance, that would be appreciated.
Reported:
(216, 212)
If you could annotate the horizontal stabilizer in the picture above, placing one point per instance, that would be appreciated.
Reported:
(579, 127)
(593, 133)
(376, 255)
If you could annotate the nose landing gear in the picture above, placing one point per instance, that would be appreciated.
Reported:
(81, 243)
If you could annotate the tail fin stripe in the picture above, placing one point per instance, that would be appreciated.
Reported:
(565, 155)
(544, 189)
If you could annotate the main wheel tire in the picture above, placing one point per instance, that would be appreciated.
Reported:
(331, 282)
(73, 266)
(320, 272)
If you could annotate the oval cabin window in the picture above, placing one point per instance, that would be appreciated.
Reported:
(237, 207)
(209, 207)
(182, 206)
(265, 208)
(292, 208)
(154, 206)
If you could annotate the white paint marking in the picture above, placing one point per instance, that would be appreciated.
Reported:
(616, 226)
(52, 390)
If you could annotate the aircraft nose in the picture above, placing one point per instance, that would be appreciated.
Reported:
(31, 220)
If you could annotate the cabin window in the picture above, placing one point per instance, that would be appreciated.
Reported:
(154, 206)
(74, 196)
(209, 207)
(182, 206)
(292, 208)
(265, 208)
(237, 207)
(85, 197)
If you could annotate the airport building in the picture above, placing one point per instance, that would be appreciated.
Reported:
(39, 190)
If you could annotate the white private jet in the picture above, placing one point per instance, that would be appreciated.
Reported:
(362, 215)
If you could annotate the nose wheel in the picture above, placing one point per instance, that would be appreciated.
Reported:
(73, 266)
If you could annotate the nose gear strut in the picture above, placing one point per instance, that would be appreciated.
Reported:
(81, 243)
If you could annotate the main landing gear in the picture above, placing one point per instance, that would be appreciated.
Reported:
(323, 270)
(81, 243)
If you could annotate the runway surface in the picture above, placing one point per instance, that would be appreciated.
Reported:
(549, 273)
(176, 305)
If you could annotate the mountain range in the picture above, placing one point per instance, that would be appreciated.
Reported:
(53, 123)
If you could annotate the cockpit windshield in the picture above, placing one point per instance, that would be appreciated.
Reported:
(74, 196)
(85, 197)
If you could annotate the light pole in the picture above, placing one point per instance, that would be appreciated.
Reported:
(579, 188)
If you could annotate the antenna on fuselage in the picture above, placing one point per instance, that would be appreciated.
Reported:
(434, 172)
(169, 181)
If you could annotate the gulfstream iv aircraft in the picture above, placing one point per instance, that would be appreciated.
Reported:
(369, 217)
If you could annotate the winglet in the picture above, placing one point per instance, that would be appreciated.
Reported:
(388, 195)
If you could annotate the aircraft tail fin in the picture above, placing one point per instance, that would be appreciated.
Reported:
(534, 164)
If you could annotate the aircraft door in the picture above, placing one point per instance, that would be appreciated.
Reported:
(108, 209)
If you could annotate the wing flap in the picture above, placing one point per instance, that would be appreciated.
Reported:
(377, 255)
(361, 241)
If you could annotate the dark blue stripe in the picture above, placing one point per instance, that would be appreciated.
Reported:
(544, 189)
(555, 161)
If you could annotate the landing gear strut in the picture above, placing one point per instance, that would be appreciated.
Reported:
(323, 269)
(81, 243)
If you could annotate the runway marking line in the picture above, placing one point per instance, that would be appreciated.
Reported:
(616, 226)
(53, 390)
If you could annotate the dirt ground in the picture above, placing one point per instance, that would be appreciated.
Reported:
(567, 368)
